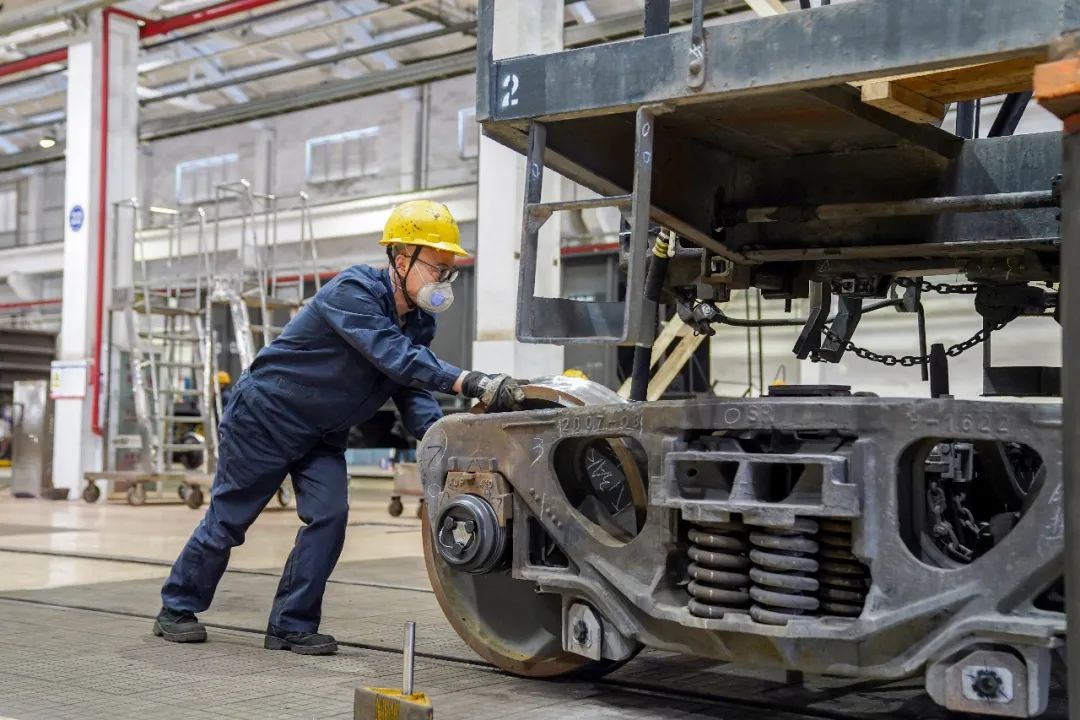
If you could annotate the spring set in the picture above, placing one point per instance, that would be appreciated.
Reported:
(719, 579)
(785, 564)
(776, 574)
(844, 580)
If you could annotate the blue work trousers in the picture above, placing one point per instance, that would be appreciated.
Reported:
(251, 468)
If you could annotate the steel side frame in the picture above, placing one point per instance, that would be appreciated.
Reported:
(915, 613)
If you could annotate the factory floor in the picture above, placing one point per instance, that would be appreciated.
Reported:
(79, 588)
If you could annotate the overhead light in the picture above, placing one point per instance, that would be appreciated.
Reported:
(47, 141)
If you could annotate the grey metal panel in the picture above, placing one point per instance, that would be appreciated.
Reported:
(592, 278)
(31, 456)
(830, 46)
(1021, 162)
(988, 165)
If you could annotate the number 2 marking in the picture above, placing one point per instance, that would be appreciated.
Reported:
(510, 84)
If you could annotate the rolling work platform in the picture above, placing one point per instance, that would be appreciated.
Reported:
(816, 530)
(253, 285)
(171, 363)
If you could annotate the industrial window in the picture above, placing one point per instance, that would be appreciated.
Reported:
(343, 156)
(196, 180)
(468, 134)
(9, 216)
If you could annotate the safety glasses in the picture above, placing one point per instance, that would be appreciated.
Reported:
(446, 273)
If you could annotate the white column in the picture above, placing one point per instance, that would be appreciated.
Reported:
(34, 187)
(521, 27)
(76, 447)
(265, 160)
(412, 139)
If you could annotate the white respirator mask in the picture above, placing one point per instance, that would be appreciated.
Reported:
(435, 297)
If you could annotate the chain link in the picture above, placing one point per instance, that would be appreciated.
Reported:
(911, 360)
(940, 288)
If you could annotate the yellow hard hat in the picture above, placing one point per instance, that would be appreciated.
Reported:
(574, 373)
(223, 378)
(425, 223)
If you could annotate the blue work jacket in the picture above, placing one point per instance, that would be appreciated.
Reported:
(340, 359)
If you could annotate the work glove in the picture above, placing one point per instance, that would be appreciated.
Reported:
(500, 393)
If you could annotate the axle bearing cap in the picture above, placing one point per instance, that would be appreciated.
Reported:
(468, 535)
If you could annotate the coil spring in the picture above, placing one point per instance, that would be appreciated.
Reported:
(844, 580)
(785, 566)
(719, 577)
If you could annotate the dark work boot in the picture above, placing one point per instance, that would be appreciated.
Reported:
(302, 643)
(179, 626)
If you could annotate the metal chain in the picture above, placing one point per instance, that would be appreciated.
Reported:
(911, 360)
(940, 288)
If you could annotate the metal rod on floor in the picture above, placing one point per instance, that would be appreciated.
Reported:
(992, 202)
(410, 653)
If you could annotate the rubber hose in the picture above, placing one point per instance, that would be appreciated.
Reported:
(639, 380)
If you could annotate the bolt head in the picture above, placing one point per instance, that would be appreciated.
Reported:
(462, 534)
(581, 632)
(987, 683)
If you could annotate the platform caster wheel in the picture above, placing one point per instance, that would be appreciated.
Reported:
(284, 496)
(136, 495)
(91, 493)
(396, 507)
(182, 491)
(194, 497)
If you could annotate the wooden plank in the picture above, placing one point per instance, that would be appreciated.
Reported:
(894, 98)
(922, 98)
(767, 8)
(673, 366)
(1057, 86)
(976, 81)
(672, 329)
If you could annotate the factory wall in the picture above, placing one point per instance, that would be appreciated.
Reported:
(274, 153)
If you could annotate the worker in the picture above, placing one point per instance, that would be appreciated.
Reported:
(362, 340)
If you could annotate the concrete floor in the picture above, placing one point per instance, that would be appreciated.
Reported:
(75, 636)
